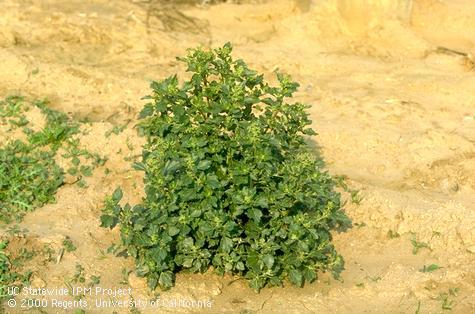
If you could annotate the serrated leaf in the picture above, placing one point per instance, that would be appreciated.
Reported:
(257, 283)
(188, 242)
(309, 274)
(254, 214)
(253, 263)
(152, 282)
(75, 161)
(139, 166)
(146, 111)
(86, 171)
(240, 266)
(188, 262)
(173, 230)
(171, 166)
(166, 279)
(213, 182)
(309, 132)
(161, 106)
(262, 202)
(188, 195)
(142, 270)
(268, 260)
(295, 277)
(226, 244)
(108, 221)
(204, 165)
(117, 195)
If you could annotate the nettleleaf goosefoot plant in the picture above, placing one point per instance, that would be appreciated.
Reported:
(230, 181)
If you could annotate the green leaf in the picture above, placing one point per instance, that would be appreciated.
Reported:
(309, 274)
(75, 161)
(171, 166)
(262, 202)
(173, 230)
(188, 194)
(296, 277)
(430, 268)
(142, 270)
(253, 263)
(257, 283)
(213, 181)
(226, 244)
(108, 221)
(254, 214)
(117, 195)
(152, 282)
(240, 266)
(86, 171)
(268, 260)
(309, 132)
(188, 262)
(166, 279)
(146, 111)
(139, 166)
(204, 165)
(161, 106)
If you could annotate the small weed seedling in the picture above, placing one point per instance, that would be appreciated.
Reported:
(355, 195)
(416, 245)
(125, 276)
(446, 298)
(430, 268)
(94, 281)
(374, 278)
(78, 278)
(418, 309)
(393, 234)
(23, 256)
(15, 231)
(117, 129)
(68, 245)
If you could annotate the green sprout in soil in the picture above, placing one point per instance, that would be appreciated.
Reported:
(447, 298)
(430, 268)
(393, 234)
(230, 181)
(69, 245)
(418, 309)
(417, 245)
(117, 129)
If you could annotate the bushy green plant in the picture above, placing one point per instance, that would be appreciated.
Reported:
(230, 181)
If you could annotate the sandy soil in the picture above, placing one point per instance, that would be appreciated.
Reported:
(392, 90)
